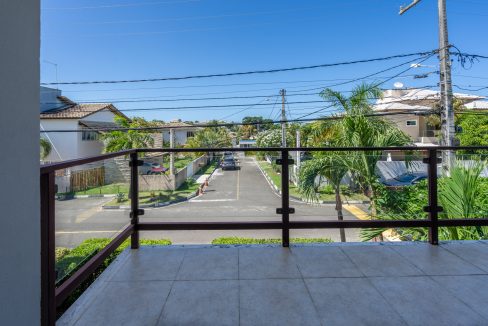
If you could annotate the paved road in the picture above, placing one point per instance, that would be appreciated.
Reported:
(241, 195)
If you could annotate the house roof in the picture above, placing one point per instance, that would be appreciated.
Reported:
(98, 124)
(400, 107)
(73, 110)
(477, 105)
(176, 124)
(420, 97)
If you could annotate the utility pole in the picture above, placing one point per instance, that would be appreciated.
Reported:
(299, 161)
(172, 154)
(447, 109)
(283, 118)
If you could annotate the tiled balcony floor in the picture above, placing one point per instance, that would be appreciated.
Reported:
(335, 284)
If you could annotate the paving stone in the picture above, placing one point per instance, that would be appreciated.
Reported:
(276, 302)
(421, 301)
(212, 303)
(351, 301)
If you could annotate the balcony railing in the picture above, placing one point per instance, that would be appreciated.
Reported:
(53, 296)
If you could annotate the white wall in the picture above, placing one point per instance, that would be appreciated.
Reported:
(104, 116)
(68, 146)
(19, 167)
(64, 145)
(89, 147)
(180, 136)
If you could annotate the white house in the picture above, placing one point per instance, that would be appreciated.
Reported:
(182, 131)
(60, 113)
(412, 104)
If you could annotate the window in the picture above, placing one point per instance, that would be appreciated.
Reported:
(88, 135)
(189, 134)
(411, 122)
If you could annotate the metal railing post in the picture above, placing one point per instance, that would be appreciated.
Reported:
(48, 256)
(285, 199)
(134, 199)
(433, 208)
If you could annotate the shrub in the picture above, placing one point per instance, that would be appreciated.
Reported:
(345, 190)
(328, 190)
(120, 197)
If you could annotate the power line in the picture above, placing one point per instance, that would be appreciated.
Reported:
(234, 123)
(249, 107)
(246, 72)
(231, 85)
(370, 75)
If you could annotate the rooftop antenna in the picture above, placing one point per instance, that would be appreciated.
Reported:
(56, 68)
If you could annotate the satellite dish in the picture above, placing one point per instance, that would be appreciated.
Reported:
(398, 85)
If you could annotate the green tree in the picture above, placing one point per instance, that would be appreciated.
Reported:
(210, 137)
(45, 149)
(272, 138)
(459, 196)
(329, 165)
(357, 129)
(116, 140)
(464, 194)
(474, 130)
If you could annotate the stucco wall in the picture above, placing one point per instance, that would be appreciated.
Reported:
(180, 136)
(19, 137)
(64, 145)
(104, 115)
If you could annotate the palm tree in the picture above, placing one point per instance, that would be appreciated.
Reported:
(122, 140)
(357, 129)
(46, 148)
(458, 195)
(331, 166)
(210, 137)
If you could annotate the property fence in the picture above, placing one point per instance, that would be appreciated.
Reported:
(53, 296)
(86, 179)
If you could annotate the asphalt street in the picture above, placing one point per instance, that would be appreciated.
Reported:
(238, 195)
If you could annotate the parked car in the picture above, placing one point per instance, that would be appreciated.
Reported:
(228, 164)
(406, 179)
(152, 168)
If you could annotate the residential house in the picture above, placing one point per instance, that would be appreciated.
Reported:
(182, 132)
(60, 113)
(412, 104)
(247, 143)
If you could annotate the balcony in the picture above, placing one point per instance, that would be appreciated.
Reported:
(409, 283)
(349, 284)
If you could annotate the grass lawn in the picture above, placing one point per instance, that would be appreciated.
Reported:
(159, 196)
(110, 189)
(116, 188)
(209, 168)
(180, 162)
(276, 178)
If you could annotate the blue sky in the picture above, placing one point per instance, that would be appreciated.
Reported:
(129, 39)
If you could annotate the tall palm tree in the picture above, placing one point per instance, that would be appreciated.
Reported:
(46, 148)
(331, 166)
(357, 129)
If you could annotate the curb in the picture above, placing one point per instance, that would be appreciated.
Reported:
(156, 205)
(270, 181)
